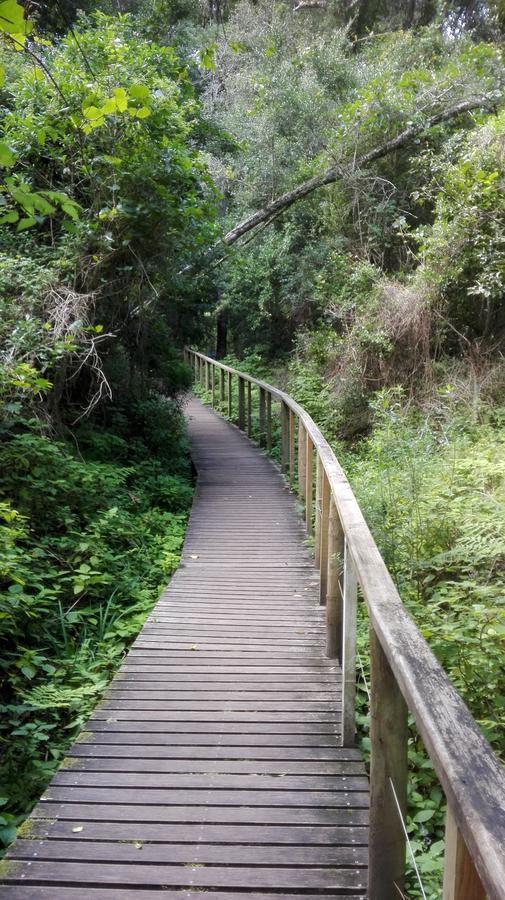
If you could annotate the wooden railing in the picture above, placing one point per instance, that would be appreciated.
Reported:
(404, 673)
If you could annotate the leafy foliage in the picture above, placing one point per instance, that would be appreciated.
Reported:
(104, 153)
(102, 136)
(85, 546)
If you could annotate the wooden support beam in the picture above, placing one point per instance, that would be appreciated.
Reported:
(334, 613)
(388, 770)
(323, 552)
(284, 438)
(249, 408)
(241, 403)
(213, 384)
(269, 422)
(292, 437)
(350, 609)
(263, 418)
(230, 396)
(317, 523)
(302, 459)
(221, 386)
(461, 879)
(309, 487)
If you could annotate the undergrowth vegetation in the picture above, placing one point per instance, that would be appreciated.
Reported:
(432, 487)
(102, 136)
(89, 534)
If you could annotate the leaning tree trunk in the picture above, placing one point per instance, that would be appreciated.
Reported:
(334, 173)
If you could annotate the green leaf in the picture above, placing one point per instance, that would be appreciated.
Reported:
(26, 223)
(140, 92)
(121, 99)
(12, 217)
(143, 112)
(92, 112)
(42, 205)
(70, 209)
(13, 21)
(109, 107)
(424, 815)
(28, 670)
(8, 834)
(7, 157)
(206, 57)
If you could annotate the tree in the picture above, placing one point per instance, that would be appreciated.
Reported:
(345, 169)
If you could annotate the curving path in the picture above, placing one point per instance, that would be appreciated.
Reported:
(212, 770)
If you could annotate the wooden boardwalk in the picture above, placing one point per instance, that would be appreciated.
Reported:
(212, 770)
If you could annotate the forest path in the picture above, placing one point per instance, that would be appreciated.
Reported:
(213, 768)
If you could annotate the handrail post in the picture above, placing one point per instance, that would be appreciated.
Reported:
(230, 396)
(269, 422)
(317, 523)
(241, 403)
(349, 610)
(461, 880)
(388, 778)
(213, 384)
(309, 452)
(263, 416)
(333, 585)
(284, 438)
(323, 552)
(292, 424)
(249, 408)
(207, 375)
(221, 386)
(302, 459)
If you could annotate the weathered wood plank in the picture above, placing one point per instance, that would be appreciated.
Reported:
(388, 767)
(236, 815)
(229, 835)
(461, 880)
(213, 766)
(124, 875)
(204, 854)
(217, 781)
(249, 768)
(25, 892)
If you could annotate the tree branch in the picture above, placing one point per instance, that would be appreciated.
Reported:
(334, 173)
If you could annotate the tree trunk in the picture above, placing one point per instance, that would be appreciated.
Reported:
(222, 334)
(410, 11)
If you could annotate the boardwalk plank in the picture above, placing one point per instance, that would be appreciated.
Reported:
(212, 768)
(25, 892)
(140, 853)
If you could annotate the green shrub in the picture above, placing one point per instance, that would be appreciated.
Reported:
(85, 547)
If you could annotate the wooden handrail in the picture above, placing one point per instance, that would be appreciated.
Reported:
(405, 675)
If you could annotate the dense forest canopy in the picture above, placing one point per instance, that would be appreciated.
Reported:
(311, 188)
